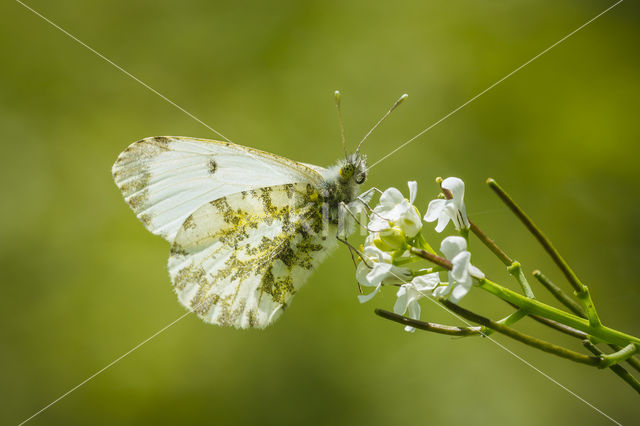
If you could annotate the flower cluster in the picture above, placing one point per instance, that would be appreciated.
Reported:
(394, 230)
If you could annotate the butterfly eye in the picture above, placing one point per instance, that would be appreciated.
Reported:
(347, 171)
(361, 178)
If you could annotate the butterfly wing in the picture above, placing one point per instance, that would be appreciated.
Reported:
(164, 179)
(238, 260)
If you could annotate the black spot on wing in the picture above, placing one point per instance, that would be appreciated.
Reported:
(213, 166)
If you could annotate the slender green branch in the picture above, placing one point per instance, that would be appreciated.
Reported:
(513, 318)
(632, 361)
(523, 338)
(559, 294)
(619, 356)
(556, 325)
(491, 245)
(536, 307)
(441, 261)
(560, 327)
(423, 244)
(515, 270)
(537, 233)
(508, 320)
(617, 369)
(585, 298)
(429, 326)
(582, 292)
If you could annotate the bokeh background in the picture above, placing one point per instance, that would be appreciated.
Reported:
(83, 281)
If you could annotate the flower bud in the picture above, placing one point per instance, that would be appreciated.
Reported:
(390, 239)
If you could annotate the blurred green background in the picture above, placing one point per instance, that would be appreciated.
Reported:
(83, 281)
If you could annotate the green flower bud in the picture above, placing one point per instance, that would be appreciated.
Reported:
(391, 239)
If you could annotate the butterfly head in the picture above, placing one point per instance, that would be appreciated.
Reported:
(354, 169)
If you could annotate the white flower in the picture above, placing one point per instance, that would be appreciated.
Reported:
(445, 210)
(395, 211)
(378, 268)
(410, 293)
(462, 274)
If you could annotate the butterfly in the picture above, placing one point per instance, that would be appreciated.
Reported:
(246, 227)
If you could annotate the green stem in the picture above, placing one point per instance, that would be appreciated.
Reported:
(537, 233)
(515, 270)
(405, 261)
(536, 307)
(560, 327)
(560, 295)
(617, 369)
(513, 318)
(582, 292)
(621, 355)
(556, 325)
(434, 258)
(491, 245)
(508, 320)
(585, 298)
(524, 338)
(429, 326)
(423, 244)
(464, 233)
(634, 362)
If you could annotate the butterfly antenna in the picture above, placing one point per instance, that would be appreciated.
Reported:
(344, 144)
(394, 106)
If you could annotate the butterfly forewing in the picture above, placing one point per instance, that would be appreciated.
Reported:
(165, 179)
(238, 260)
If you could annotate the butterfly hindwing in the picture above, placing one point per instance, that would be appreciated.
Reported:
(238, 260)
(164, 179)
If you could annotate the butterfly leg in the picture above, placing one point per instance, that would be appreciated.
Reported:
(366, 197)
(353, 259)
(343, 236)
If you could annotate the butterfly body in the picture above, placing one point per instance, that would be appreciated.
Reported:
(341, 183)
(246, 227)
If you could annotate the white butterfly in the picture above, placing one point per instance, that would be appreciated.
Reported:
(246, 227)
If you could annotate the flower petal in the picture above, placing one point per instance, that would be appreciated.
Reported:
(460, 270)
(378, 273)
(413, 190)
(391, 197)
(377, 223)
(361, 273)
(443, 220)
(434, 209)
(453, 245)
(475, 272)
(400, 307)
(410, 222)
(456, 187)
(414, 309)
(458, 293)
(363, 298)
(377, 255)
(442, 291)
(426, 283)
